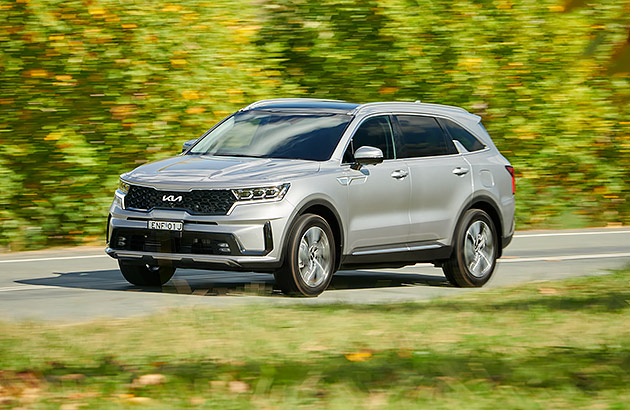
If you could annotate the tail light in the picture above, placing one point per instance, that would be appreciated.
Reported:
(510, 169)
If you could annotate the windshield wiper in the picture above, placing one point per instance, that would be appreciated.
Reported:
(236, 155)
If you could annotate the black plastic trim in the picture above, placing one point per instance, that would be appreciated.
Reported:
(189, 263)
(396, 259)
(109, 218)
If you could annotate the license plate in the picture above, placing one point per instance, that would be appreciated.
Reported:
(166, 225)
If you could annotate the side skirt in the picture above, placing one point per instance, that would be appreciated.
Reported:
(397, 257)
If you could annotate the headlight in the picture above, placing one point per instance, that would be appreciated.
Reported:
(123, 186)
(262, 193)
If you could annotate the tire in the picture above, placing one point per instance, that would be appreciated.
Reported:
(475, 251)
(140, 274)
(309, 262)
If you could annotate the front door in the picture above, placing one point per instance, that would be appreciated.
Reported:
(378, 195)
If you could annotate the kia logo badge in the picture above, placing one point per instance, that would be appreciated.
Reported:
(171, 198)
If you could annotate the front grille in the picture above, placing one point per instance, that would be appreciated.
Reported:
(146, 240)
(199, 202)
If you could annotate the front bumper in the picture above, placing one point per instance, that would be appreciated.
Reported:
(249, 239)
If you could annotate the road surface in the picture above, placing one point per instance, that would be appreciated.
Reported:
(80, 284)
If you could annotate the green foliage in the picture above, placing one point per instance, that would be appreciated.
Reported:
(89, 90)
(535, 75)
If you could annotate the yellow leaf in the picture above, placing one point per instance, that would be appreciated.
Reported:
(195, 110)
(63, 77)
(190, 95)
(129, 25)
(179, 61)
(558, 8)
(358, 356)
(387, 90)
(96, 10)
(37, 72)
(172, 7)
(53, 136)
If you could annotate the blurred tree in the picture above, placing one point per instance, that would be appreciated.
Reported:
(521, 65)
(89, 90)
(620, 61)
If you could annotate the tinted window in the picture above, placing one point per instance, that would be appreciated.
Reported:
(458, 133)
(374, 132)
(264, 134)
(421, 137)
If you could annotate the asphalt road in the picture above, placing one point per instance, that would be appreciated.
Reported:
(80, 284)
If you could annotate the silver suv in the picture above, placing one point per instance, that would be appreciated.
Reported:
(301, 188)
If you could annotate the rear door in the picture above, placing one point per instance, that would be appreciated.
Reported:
(441, 179)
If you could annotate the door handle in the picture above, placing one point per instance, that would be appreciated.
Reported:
(399, 174)
(460, 171)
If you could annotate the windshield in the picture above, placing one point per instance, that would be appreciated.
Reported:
(264, 134)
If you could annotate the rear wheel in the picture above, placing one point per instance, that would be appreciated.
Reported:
(475, 251)
(309, 263)
(141, 274)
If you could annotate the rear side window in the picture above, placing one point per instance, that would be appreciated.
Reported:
(422, 137)
(373, 132)
(458, 133)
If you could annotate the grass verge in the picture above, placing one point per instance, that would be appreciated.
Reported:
(539, 346)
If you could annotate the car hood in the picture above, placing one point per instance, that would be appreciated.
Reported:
(202, 171)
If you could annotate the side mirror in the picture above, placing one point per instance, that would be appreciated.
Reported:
(188, 144)
(367, 155)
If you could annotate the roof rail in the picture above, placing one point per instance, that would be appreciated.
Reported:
(417, 102)
(283, 100)
(448, 107)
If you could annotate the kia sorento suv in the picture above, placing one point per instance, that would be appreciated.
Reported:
(302, 188)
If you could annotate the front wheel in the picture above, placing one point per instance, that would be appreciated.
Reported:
(475, 251)
(141, 274)
(310, 259)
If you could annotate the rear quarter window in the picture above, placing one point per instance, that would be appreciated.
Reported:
(458, 133)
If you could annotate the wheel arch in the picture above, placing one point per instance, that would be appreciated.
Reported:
(489, 206)
(327, 211)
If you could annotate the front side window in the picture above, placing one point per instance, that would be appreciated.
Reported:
(266, 134)
(373, 132)
(458, 133)
(421, 137)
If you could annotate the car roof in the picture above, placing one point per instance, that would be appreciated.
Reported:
(302, 104)
(339, 106)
